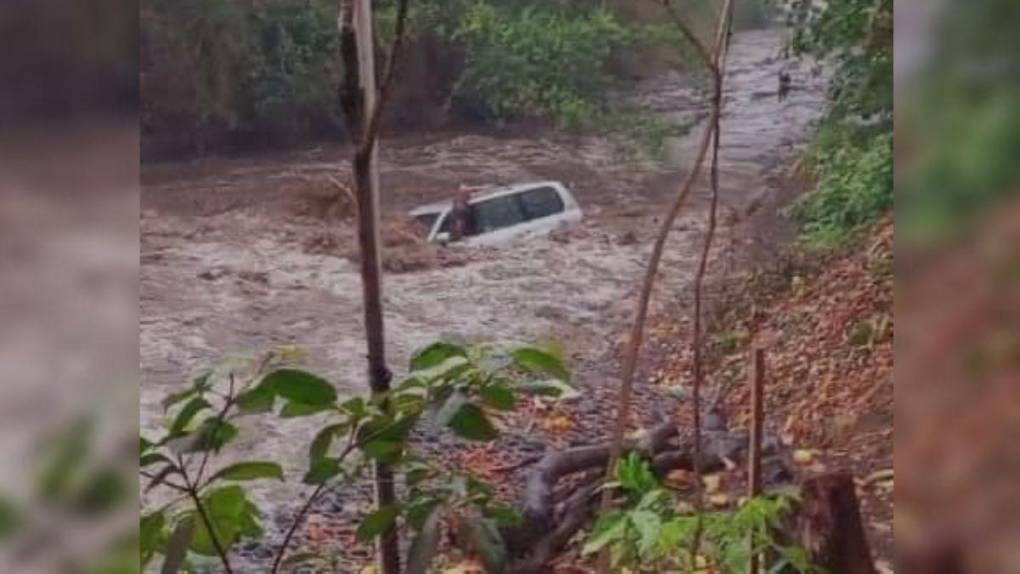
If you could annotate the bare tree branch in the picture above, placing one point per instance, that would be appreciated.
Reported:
(714, 64)
(722, 42)
(703, 54)
(299, 518)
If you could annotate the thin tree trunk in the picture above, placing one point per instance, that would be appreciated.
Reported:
(757, 382)
(715, 65)
(721, 50)
(362, 103)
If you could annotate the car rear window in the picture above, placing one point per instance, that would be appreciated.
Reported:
(541, 202)
(496, 213)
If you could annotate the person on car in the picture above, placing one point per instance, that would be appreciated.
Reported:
(460, 214)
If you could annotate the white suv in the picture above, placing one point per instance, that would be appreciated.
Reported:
(500, 214)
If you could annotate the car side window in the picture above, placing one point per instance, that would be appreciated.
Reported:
(427, 220)
(444, 227)
(541, 202)
(495, 213)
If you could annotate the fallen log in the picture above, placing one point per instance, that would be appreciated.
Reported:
(545, 531)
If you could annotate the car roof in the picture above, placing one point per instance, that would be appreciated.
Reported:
(487, 193)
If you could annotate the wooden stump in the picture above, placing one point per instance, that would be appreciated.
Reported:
(829, 525)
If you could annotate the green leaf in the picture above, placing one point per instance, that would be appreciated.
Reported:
(425, 544)
(648, 525)
(294, 410)
(652, 498)
(321, 470)
(409, 399)
(388, 429)
(607, 530)
(199, 386)
(177, 547)
(250, 527)
(448, 369)
(377, 522)
(383, 450)
(435, 354)
(548, 388)
(192, 408)
(635, 475)
(151, 459)
(250, 471)
(150, 529)
(225, 507)
(259, 399)
(794, 556)
(324, 439)
(498, 396)
(213, 434)
(174, 398)
(488, 543)
(356, 409)
(540, 361)
(301, 387)
(470, 422)
(676, 533)
(450, 407)
(144, 445)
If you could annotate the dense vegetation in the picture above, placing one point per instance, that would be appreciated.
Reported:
(222, 71)
(852, 158)
(219, 66)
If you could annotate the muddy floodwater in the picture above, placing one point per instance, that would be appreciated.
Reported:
(227, 268)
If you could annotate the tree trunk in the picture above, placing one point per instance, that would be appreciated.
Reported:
(829, 525)
(361, 78)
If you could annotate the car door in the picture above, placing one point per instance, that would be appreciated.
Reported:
(543, 208)
(495, 220)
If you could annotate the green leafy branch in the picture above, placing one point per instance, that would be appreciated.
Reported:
(453, 387)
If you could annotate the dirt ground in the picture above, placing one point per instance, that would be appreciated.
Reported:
(242, 254)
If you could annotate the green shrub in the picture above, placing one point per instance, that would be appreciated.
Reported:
(215, 64)
(649, 534)
(292, 72)
(858, 36)
(852, 157)
(538, 63)
(854, 173)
